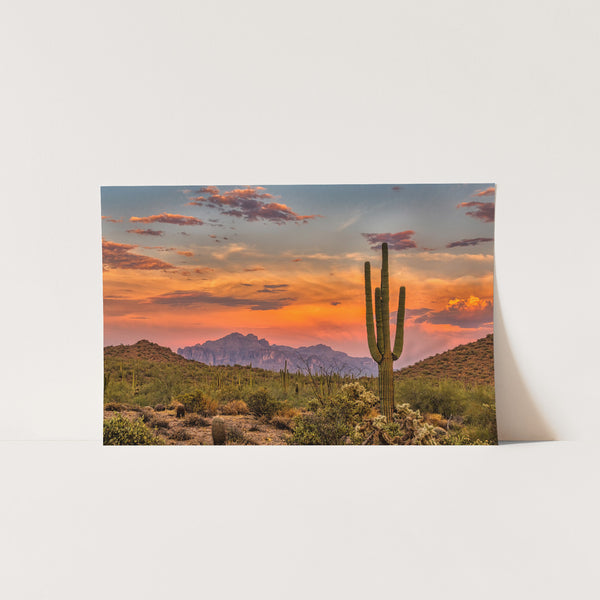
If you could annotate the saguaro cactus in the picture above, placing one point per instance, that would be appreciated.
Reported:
(379, 343)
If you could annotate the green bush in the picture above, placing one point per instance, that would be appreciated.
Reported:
(196, 401)
(333, 420)
(262, 404)
(119, 431)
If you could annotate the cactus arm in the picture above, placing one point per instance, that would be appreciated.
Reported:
(399, 341)
(375, 354)
(378, 320)
(385, 299)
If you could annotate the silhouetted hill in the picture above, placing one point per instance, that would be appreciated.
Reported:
(469, 363)
(144, 350)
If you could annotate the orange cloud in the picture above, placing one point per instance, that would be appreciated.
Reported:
(146, 231)
(468, 312)
(491, 191)
(111, 220)
(119, 256)
(168, 218)
(185, 252)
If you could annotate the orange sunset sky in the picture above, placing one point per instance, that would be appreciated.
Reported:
(182, 265)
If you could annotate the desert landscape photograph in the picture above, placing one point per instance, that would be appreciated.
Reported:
(299, 315)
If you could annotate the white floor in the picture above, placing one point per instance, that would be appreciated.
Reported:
(515, 521)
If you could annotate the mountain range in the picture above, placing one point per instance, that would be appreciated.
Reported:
(239, 349)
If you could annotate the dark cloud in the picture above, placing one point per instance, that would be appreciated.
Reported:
(335, 303)
(395, 241)
(187, 298)
(254, 269)
(462, 312)
(468, 242)
(249, 203)
(159, 248)
(168, 218)
(397, 188)
(491, 191)
(119, 256)
(273, 288)
(481, 210)
(146, 231)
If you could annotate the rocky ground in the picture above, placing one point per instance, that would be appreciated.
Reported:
(195, 430)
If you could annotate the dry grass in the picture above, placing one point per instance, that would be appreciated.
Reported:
(235, 407)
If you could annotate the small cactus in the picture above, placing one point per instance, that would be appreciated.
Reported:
(219, 432)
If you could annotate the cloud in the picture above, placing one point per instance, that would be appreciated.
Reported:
(415, 312)
(249, 203)
(335, 303)
(296, 260)
(273, 288)
(258, 268)
(119, 256)
(146, 231)
(395, 241)
(168, 218)
(185, 252)
(159, 248)
(111, 220)
(462, 312)
(481, 210)
(186, 298)
(491, 191)
(202, 270)
(469, 242)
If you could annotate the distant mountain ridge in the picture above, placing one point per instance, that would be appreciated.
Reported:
(239, 349)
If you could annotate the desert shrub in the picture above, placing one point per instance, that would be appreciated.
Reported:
(436, 420)
(147, 417)
(229, 393)
(237, 437)
(113, 406)
(281, 422)
(445, 397)
(161, 423)
(160, 407)
(407, 427)
(463, 439)
(119, 431)
(262, 404)
(196, 421)
(234, 407)
(333, 420)
(180, 435)
(196, 401)
(285, 417)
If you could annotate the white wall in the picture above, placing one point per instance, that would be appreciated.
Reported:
(123, 92)
(114, 92)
